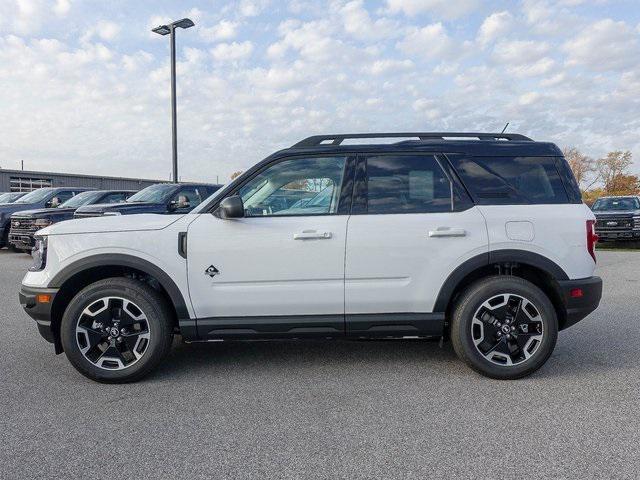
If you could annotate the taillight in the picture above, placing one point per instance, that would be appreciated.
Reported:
(592, 238)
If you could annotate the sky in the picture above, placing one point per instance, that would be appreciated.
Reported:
(84, 85)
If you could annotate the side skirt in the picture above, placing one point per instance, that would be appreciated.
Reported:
(363, 325)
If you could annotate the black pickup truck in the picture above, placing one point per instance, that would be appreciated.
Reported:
(24, 224)
(617, 218)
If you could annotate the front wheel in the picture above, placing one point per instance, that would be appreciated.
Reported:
(504, 327)
(116, 330)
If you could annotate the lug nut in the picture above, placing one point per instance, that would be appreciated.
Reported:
(123, 331)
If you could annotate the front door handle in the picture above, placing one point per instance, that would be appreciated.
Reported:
(447, 232)
(311, 235)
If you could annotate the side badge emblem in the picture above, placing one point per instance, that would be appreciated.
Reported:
(212, 271)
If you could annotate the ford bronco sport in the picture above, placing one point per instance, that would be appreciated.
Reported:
(480, 238)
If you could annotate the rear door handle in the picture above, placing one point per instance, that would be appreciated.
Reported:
(311, 235)
(448, 232)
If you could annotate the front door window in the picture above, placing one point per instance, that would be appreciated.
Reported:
(309, 186)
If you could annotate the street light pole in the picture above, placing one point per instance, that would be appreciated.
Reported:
(174, 115)
(170, 30)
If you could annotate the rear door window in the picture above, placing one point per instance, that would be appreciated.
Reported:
(406, 184)
(511, 180)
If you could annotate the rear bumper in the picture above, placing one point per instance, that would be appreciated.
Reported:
(40, 311)
(580, 298)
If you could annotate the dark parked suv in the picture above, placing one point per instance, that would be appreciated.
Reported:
(617, 218)
(25, 224)
(158, 198)
(41, 198)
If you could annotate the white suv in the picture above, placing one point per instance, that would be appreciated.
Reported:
(482, 238)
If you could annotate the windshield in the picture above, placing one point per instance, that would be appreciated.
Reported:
(153, 194)
(35, 196)
(4, 197)
(84, 198)
(628, 203)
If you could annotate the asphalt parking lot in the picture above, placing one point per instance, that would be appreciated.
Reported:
(329, 410)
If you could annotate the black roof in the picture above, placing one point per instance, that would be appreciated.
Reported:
(478, 144)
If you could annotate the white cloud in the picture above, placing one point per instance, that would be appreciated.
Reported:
(358, 22)
(223, 30)
(443, 8)
(533, 69)
(226, 52)
(604, 45)
(380, 67)
(62, 7)
(520, 52)
(106, 30)
(431, 41)
(494, 26)
(252, 8)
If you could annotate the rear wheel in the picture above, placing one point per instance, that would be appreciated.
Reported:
(116, 330)
(504, 327)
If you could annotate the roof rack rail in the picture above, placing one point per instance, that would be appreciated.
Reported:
(338, 139)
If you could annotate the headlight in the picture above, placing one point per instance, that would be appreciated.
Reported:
(39, 254)
(42, 222)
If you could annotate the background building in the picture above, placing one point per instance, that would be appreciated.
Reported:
(25, 181)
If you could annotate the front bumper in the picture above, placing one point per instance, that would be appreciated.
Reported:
(31, 300)
(23, 241)
(620, 235)
(580, 298)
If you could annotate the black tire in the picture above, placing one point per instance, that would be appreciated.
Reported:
(462, 328)
(158, 319)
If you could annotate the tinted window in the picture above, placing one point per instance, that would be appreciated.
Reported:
(64, 195)
(193, 195)
(406, 184)
(83, 198)
(301, 186)
(115, 197)
(509, 180)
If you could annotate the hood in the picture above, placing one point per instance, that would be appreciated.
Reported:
(125, 208)
(111, 224)
(46, 212)
(8, 208)
(605, 213)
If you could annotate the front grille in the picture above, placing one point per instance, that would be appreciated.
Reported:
(615, 223)
(23, 225)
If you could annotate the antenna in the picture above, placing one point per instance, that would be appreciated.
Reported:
(505, 128)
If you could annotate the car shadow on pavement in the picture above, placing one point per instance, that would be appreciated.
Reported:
(256, 356)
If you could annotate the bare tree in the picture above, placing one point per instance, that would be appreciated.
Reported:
(235, 175)
(612, 168)
(583, 166)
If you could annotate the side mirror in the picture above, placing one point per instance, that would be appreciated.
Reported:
(231, 207)
(53, 203)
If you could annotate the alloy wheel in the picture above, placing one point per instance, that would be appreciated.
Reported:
(507, 329)
(113, 333)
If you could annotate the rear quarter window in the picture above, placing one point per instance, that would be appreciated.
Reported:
(511, 180)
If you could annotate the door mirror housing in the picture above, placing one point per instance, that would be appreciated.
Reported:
(231, 207)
